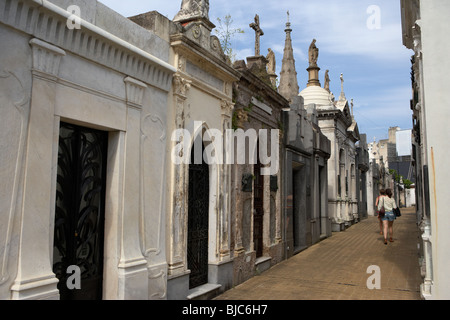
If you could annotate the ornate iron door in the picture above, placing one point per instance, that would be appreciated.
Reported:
(198, 224)
(258, 215)
(80, 210)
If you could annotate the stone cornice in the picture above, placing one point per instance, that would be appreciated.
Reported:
(46, 21)
(182, 44)
(335, 114)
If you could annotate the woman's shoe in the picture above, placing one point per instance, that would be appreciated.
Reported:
(391, 240)
(385, 241)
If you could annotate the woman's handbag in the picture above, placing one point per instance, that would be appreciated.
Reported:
(397, 212)
(382, 211)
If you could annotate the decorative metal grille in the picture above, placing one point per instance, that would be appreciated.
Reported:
(79, 216)
(198, 224)
(258, 218)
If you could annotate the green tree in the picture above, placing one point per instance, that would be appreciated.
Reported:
(225, 32)
(407, 183)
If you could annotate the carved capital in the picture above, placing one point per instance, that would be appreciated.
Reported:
(46, 58)
(181, 86)
(135, 91)
(227, 107)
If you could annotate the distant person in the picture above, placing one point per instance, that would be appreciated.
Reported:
(389, 216)
(382, 194)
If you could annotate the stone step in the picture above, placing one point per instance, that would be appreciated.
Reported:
(263, 264)
(204, 292)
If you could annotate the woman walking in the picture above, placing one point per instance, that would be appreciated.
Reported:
(382, 194)
(388, 220)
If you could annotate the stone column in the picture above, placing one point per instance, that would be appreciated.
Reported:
(133, 276)
(227, 108)
(241, 117)
(177, 219)
(35, 278)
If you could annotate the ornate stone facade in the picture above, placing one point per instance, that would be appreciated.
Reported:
(305, 160)
(256, 209)
(201, 104)
(336, 121)
(95, 80)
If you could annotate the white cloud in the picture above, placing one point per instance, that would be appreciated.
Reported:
(242, 54)
(340, 27)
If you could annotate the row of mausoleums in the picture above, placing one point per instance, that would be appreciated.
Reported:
(101, 127)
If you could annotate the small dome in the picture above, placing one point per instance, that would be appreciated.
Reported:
(317, 95)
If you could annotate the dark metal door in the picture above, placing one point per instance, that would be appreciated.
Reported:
(198, 223)
(80, 210)
(258, 213)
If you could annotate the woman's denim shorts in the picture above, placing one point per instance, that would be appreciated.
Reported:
(389, 216)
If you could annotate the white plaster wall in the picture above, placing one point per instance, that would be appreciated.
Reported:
(436, 67)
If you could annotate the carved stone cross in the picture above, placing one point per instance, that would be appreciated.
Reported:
(258, 33)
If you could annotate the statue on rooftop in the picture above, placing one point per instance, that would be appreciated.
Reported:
(193, 9)
(313, 54)
(327, 81)
(271, 66)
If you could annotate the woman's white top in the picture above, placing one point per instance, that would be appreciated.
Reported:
(388, 203)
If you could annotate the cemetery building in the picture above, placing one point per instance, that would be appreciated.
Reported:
(336, 121)
(200, 109)
(362, 177)
(121, 163)
(256, 196)
(397, 166)
(83, 114)
(423, 32)
(305, 161)
(373, 187)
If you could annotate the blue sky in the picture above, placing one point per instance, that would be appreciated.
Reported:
(375, 64)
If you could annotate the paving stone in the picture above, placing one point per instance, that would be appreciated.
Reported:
(336, 268)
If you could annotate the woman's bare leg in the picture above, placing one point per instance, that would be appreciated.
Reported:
(391, 230)
(381, 225)
(385, 230)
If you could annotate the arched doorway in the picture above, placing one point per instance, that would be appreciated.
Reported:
(198, 220)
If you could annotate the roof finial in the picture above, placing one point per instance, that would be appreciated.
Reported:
(258, 33)
(342, 96)
(326, 86)
(351, 103)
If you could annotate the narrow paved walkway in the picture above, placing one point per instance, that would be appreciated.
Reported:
(336, 268)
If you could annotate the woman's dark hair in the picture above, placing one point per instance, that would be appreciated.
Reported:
(382, 192)
(389, 193)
